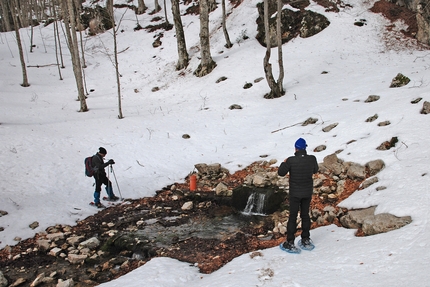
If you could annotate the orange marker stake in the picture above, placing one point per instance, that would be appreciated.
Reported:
(193, 182)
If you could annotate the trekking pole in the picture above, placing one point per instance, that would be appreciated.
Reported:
(113, 171)
(109, 183)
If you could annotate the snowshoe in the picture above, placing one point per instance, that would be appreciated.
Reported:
(98, 205)
(289, 247)
(112, 199)
(306, 244)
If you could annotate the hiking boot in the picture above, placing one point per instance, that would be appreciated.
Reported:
(99, 205)
(113, 198)
(307, 242)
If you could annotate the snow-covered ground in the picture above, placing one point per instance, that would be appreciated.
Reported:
(44, 140)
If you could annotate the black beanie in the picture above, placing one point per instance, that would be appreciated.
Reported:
(102, 150)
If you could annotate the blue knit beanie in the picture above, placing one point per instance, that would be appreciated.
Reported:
(300, 144)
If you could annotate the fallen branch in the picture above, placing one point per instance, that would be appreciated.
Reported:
(275, 131)
(41, 66)
(139, 163)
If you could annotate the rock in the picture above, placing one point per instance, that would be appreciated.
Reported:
(368, 182)
(426, 108)
(187, 205)
(2, 213)
(221, 189)
(330, 127)
(309, 121)
(235, 107)
(356, 171)
(55, 251)
(416, 101)
(372, 98)
(34, 225)
(17, 282)
(76, 258)
(320, 148)
(333, 164)
(384, 123)
(208, 169)
(384, 222)
(375, 166)
(221, 79)
(260, 179)
(55, 236)
(399, 81)
(38, 280)
(373, 224)
(355, 218)
(372, 118)
(67, 283)
(74, 240)
(3, 280)
(43, 244)
(91, 243)
(247, 85)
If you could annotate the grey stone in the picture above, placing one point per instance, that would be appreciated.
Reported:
(375, 166)
(91, 243)
(356, 171)
(3, 280)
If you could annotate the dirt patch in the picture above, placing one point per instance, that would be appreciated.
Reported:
(394, 13)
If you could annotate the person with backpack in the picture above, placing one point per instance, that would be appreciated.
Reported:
(98, 166)
(301, 167)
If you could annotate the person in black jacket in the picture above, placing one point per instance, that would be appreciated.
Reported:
(301, 167)
(100, 177)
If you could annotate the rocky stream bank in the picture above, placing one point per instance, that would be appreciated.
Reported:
(201, 227)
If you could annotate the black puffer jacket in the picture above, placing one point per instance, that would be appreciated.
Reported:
(301, 167)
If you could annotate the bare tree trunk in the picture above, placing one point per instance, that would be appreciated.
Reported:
(141, 7)
(279, 38)
(14, 10)
(274, 88)
(69, 21)
(57, 36)
(5, 15)
(109, 7)
(165, 15)
(180, 37)
(207, 64)
(118, 82)
(228, 44)
(57, 43)
(157, 6)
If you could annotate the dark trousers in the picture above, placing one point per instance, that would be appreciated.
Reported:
(102, 179)
(297, 204)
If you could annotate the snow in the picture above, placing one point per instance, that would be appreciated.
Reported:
(44, 139)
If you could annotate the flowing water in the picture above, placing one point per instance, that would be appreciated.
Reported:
(255, 204)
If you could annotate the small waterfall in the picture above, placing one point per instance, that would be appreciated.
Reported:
(255, 204)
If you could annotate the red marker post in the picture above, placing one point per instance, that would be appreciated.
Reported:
(193, 182)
